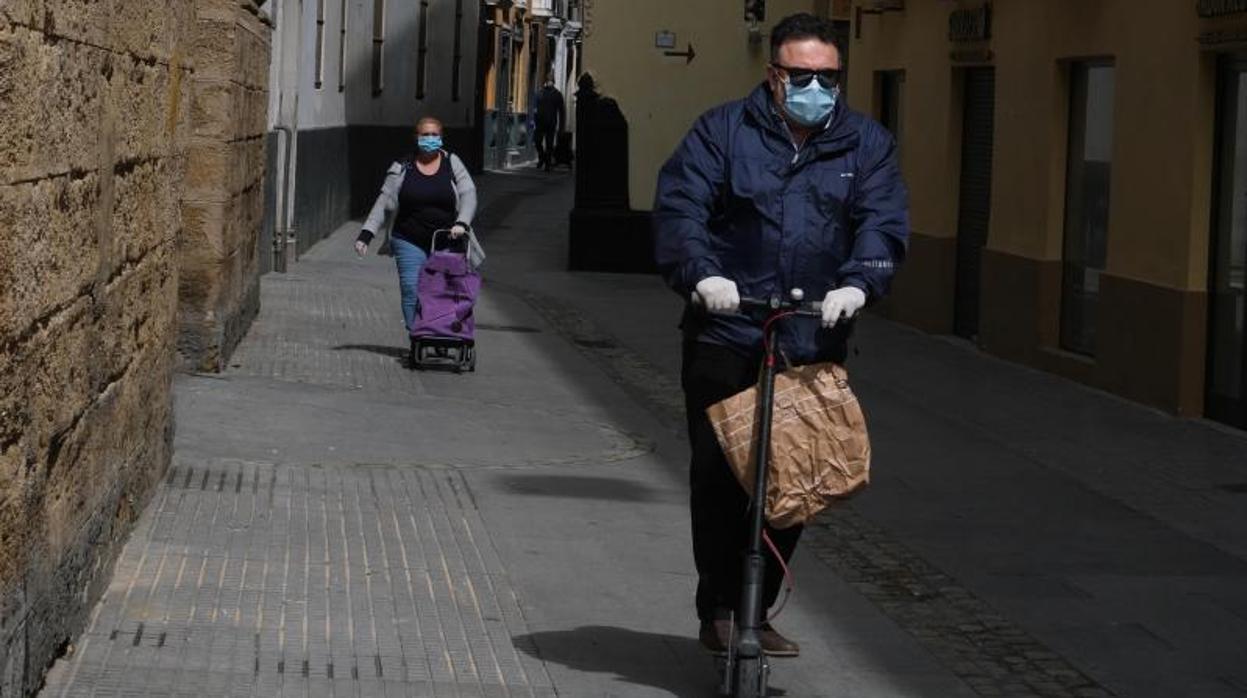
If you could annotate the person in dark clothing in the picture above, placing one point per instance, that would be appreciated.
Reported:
(550, 117)
(787, 188)
(427, 191)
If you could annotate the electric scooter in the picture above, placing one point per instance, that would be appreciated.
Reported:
(744, 670)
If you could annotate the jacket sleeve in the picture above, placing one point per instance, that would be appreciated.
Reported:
(386, 202)
(880, 218)
(465, 191)
(687, 198)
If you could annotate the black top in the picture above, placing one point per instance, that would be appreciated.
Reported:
(425, 203)
(550, 110)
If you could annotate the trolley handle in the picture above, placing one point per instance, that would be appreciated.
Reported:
(444, 232)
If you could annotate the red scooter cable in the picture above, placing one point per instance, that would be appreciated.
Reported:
(788, 577)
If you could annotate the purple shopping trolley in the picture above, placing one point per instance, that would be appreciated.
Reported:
(444, 334)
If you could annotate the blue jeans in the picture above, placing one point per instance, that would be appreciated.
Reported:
(410, 260)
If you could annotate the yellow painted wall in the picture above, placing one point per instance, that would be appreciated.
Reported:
(931, 137)
(661, 96)
(1162, 157)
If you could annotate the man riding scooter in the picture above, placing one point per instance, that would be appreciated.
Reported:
(786, 188)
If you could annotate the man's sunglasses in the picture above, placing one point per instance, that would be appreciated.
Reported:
(801, 77)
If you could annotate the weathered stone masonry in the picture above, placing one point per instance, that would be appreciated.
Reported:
(224, 199)
(105, 113)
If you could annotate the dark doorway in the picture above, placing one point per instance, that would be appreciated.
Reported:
(1227, 350)
(975, 200)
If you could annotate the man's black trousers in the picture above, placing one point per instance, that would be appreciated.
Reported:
(720, 506)
(544, 135)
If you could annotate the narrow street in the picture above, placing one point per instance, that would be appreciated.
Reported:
(335, 524)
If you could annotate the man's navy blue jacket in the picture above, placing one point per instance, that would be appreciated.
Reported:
(737, 199)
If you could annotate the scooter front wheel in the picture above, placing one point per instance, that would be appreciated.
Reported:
(751, 677)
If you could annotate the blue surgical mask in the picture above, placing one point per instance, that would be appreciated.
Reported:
(810, 106)
(429, 144)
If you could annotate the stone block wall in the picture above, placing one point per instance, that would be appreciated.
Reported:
(94, 121)
(223, 204)
(131, 165)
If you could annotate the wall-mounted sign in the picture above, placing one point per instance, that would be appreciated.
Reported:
(1216, 8)
(755, 10)
(664, 39)
(1226, 39)
(972, 25)
(688, 55)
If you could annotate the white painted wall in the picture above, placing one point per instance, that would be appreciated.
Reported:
(329, 107)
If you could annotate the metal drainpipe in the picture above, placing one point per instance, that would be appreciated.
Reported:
(282, 234)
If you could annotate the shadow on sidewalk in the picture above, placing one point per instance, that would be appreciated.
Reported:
(670, 663)
(578, 487)
(399, 353)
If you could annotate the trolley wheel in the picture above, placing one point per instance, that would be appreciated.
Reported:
(413, 357)
(751, 676)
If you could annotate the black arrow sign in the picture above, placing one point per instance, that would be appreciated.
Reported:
(687, 54)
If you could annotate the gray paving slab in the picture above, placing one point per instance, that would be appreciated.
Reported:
(1091, 526)
(334, 524)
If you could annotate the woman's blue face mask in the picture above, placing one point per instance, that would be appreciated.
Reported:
(430, 143)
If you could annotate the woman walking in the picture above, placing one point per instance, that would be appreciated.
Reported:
(428, 191)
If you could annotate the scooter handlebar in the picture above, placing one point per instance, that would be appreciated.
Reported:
(775, 304)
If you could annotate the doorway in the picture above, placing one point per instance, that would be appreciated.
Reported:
(975, 198)
(1227, 352)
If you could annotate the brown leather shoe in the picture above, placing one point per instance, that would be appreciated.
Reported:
(716, 635)
(777, 645)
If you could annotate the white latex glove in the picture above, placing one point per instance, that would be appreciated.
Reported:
(842, 303)
(718, 295)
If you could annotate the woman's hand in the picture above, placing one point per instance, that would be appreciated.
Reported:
(458, 230)
(361, 248)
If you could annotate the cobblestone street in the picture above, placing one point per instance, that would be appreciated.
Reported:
(334, 524)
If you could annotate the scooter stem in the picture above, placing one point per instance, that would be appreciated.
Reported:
(751, 610)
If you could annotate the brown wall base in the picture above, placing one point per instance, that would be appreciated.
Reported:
(1151, 339)
(922, 294)
(1152, 343)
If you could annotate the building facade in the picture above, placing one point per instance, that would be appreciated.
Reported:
(349, 80)
(523, 43)
(1077, 177)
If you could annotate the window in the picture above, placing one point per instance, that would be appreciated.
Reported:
(422, 49)
(457, 60)
(320, 43)
(1088, 173)
(378, 42)
(342, 48)
(890, 98)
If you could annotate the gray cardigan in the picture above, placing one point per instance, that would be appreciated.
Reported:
(381, 218)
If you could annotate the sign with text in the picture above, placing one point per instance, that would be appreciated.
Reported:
(971, 25)
(1217, 8)
(664, 39)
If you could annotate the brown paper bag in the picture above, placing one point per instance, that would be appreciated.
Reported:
(819, 447)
